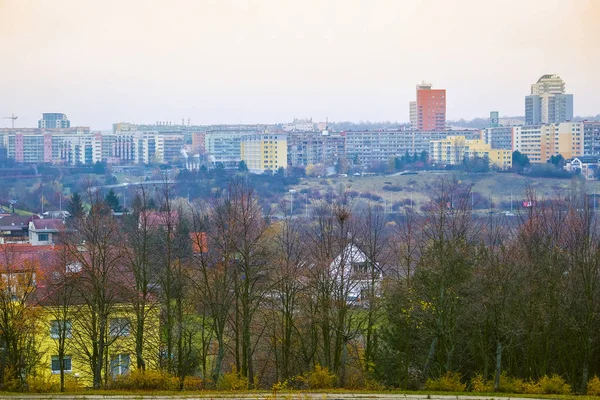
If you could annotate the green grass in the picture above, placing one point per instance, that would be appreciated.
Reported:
(418, 188)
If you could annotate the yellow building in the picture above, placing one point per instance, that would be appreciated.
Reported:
(264, 152)
(454, 149)
(540, 142)
(120, 354)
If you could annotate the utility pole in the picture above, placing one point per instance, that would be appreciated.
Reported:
(12, 117)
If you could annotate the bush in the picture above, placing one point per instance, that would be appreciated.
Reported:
(321, 378)
(449, 382)
(554, 384)
(42, 384)
(593, 386)
(145, 380)
(232, 381)
(478, 384)
(511, 385)
(193, 383)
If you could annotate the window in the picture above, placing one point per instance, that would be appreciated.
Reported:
(119, 327)
(55, 330)
(55, 364)
(43, 237)
(119, 364)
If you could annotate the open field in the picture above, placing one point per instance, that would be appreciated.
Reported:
(417, 188)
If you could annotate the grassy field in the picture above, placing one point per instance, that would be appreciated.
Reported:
(418, 188)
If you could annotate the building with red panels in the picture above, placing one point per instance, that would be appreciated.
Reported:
(431, 108)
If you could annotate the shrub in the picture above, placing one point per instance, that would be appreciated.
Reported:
(478, 384)
(232, 381)
(511, 385)
(321, 378)
(42, 384)
(449, 382)
(145, 380)
(193, 383)
(593, 386)
(554, 384)
(532, 387)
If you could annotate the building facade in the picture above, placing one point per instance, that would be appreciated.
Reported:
(498, 137)
(266, 152)
(453, 150)
(54, 120)
(305, 148)
(591, 138)
(430, 108)
(540, 142)
(548, 102)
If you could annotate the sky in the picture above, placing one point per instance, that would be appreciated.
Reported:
(250, 61)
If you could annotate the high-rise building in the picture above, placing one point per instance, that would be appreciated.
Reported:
(548, 103)
(540, 142)
(54, 120)
(412, 106)
(264, 152)
(429, 111)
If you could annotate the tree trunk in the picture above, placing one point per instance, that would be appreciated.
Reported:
(498, 366)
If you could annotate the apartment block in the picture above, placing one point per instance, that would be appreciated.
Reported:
(498, 137)
(264, 152)
(453, 150)
(548, 102)
(591, 138)
(305, 148)
(366, 147)
(540, 142)
(54, 120)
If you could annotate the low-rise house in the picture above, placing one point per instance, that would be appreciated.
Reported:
(15, 228)
(38, 280)
(43, 231)
(587, 165)
(355, 274)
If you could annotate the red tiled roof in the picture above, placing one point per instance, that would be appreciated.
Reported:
(155, 219)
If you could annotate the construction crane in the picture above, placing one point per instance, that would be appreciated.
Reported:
(12, 117)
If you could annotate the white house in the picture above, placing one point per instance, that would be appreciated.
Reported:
(41, 231)
(588, 165)
(355, 273)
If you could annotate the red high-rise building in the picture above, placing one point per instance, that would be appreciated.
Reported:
(431, 108)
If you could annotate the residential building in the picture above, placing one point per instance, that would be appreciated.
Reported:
(498, 137)
(72, 149)
(43, 231)
(356, 274)
(588, 166)
(54, 120)
(540, 142)
(264, 152)
(300, 125)
(453, 150)
(222, 142)
(591, 138)
(413, 115)
(366, 147)
(430, 108)
(305, 148)
(548, 102)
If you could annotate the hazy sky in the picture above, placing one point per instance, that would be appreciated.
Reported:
(222, 61)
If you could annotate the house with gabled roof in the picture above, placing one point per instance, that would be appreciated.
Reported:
(43, 231)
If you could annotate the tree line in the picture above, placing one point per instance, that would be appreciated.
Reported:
(373, 298)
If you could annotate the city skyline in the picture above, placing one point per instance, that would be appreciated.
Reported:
(268, 61)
